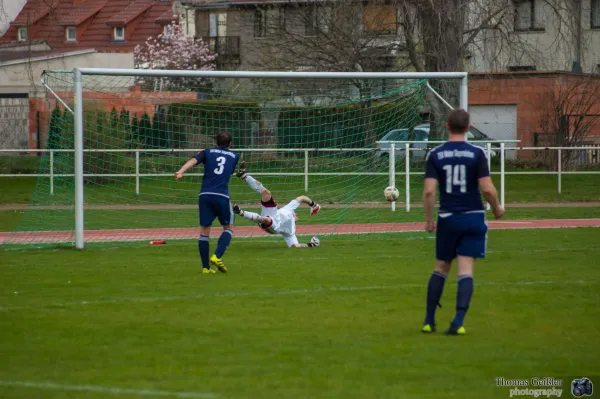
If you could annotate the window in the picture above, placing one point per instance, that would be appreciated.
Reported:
(381, 19)
(420, 135)
(311, 25)
(167, 29)
(268, 21)
(529, 15)
(120, 33)
(396, 135)
(522, 68)
(217, 24)
(476, 134)
(315, 20)
(22, 34)
(71, 33)
(260, 23)
(595, 18)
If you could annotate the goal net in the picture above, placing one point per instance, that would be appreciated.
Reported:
(299, 134)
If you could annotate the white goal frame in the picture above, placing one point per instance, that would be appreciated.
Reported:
(78, 74)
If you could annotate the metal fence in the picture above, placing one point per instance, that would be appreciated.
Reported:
(400, 154)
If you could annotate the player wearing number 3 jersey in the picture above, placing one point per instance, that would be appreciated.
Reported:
(460, 169)
(213, 202)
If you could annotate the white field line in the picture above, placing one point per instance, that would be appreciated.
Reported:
(300, 291)
(514, 222)
(47, 385)
(328, 233)
(411, 256)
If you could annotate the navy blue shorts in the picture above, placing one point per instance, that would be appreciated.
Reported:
(462, 234)
(214, 206)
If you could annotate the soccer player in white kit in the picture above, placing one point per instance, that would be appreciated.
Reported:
(273, 220)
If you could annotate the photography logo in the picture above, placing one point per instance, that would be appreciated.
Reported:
(582, 387)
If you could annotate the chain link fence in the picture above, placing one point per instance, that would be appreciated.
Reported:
(14, 123)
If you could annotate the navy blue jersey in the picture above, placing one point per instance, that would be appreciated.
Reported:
(219, 165)
(457, 166)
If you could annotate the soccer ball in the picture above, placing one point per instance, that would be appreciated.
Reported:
(391, 194)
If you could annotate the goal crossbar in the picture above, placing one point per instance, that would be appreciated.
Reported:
(270, 74)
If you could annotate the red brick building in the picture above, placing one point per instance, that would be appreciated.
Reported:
(527, 93)
(64, 34)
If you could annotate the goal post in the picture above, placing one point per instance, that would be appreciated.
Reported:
(315, 131)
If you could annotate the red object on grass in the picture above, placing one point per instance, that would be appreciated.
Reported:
(157, 242)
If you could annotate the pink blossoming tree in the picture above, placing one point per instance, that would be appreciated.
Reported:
(174, 50)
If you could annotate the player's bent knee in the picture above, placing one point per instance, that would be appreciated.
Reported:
(265, 196)
(442, 266)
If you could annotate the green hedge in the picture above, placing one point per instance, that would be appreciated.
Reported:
(207, 117)
(348, 126)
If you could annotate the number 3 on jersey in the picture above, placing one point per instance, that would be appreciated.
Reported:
(456, 176)
(220, 164)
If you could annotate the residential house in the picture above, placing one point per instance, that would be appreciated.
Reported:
(525, 35)
(542, 35)
(257, 34)
(62, 35)
(522, 35)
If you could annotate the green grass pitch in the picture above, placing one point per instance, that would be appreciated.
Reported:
(338, 321)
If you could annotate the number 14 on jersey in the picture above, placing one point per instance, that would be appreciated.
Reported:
(456, 176)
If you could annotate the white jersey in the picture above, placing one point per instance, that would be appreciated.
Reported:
(284, 221)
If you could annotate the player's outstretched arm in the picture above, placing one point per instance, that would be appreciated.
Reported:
(192, 162)
(491, 195)
(314, 207)
(429, 202)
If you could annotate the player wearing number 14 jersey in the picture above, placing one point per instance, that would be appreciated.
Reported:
(213, 202)
(460, 169)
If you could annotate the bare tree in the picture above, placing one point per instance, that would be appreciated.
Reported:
(430, 35)
(570, 112)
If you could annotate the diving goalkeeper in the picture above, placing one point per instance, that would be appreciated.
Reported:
(273, 220)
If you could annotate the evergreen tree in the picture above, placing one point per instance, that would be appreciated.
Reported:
(54, 131)
(145, 130)
(135, 132)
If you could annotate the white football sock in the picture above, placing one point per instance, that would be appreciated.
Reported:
(254, 184)
(250, 216)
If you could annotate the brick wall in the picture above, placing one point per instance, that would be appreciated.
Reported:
(135, 101)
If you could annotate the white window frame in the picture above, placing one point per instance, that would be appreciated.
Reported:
(118, 38)
(71, 29)
(22, 34)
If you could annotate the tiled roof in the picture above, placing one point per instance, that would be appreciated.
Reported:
(33, 11)
(166, 17)
(231, 3)
(82, 12)
(130, 12)
(93, 32)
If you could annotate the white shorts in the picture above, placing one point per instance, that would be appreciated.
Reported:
(283, 220)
